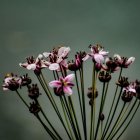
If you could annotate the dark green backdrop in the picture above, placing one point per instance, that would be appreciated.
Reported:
(30, 27)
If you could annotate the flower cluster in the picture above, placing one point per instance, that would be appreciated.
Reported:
(69, 77)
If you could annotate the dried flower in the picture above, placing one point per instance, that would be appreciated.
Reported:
(104, 76)
(34, 108)
(127, 96)
(25, 80)
(33, 91)
(90, 93)
(123, 82)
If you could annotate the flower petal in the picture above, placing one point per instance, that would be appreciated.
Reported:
(130, 60)
(86, 57)
(23, 64)
(46, 54)
(54, 66)
(55, 83)
(117, 56)
(31, 67)
(40, 56)
(104, 53)
(67, 90)
(70, 84)
(63, 51)
(69, 78)
(98, 58)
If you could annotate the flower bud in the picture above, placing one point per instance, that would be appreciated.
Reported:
(104, 76)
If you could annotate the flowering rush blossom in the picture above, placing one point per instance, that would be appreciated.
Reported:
(63, 85)
(34, 64)
(11, 82)
(130, 88)
(110, 65)
(97, 54)
(57, 57)
(123, 61)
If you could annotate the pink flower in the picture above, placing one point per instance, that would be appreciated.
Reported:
(130, 88)
(57, 57)
(35, 64)
(110, 65)
(97, 54)
(63, 85)
(11, 82)
(123, 61)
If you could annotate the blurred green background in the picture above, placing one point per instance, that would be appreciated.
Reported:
(30, 27)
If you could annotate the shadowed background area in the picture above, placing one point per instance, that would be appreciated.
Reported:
(31, 27)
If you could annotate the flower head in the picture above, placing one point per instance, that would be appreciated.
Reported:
(57, 57)
(75, 65)
(34, 64)
(33, 91)
(11, 82)
(97, 54)
(124, 62)
(110, 65)
(63, 85)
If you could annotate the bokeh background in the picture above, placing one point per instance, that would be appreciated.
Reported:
(30, 27)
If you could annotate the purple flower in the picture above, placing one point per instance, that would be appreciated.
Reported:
(97, 54)
(123, 61)
(57, 57)
(63, 84)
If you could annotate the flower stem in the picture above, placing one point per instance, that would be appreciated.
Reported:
(112, 130)
(100, 111)
(125, 118)
(64, 111)
(83, 101)
(80, 102)
(106, 124)
(48, 120)
(22, 99)
(113, 113)
(48, 93)
(129, 121)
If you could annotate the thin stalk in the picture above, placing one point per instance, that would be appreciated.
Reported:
(22, 99)
(129, 121)
(74, 114)
(100, 111)
(106, 124)
(77, 85)
(92, 117)
(122, 117)
(71, 118)
(113, 113)
(64, 111)
(125, 118)
(83, 101)
(48, 120)
(54, 105)
(46, 128)
(112, 130)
